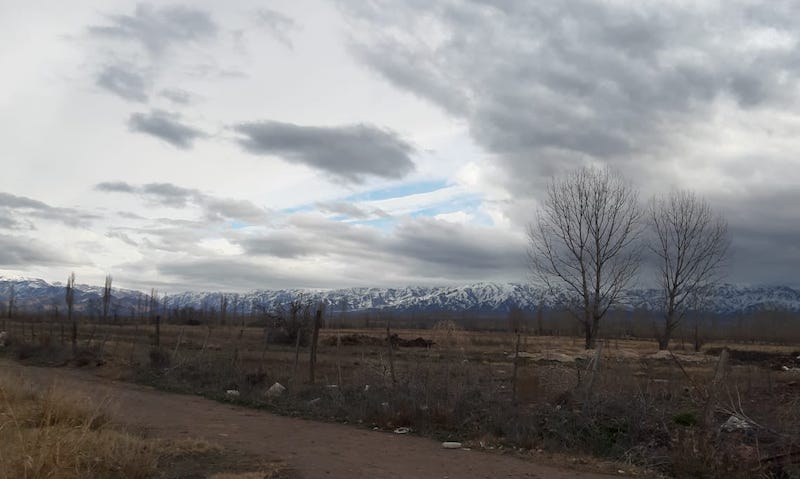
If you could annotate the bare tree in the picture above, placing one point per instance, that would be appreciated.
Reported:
(584, 243)
(223, 307)
(106, 298)
(70, 300)
(11, 300)
(691, 243)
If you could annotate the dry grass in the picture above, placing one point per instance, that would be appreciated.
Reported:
(55, 434)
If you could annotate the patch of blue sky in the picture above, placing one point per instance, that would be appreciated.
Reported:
(398, 191)
(237, 225)
(298, 209)
(383, 224)
(467, 203)
(481, 218)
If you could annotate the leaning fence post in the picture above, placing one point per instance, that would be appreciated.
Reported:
(178, 345)
(595, 366)
(713, 396)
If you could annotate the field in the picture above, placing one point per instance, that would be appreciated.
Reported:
(679, 413)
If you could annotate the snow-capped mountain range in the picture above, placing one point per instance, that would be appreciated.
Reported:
(35, 295)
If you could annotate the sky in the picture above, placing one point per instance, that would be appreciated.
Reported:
(320, 144)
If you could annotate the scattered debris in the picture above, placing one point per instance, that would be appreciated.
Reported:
(735, 423)
(402, 430)
(451, 445)
(366, 387)
(275, 390)
(232, 393)
(314, 401)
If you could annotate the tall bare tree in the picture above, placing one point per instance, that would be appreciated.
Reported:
(691, 242)
(11, 300)
(106, 298)
(223, 307)
(70, 300)
(584, 243)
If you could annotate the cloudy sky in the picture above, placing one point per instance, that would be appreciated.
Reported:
(251, 144)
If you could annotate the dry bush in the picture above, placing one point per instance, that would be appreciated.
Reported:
(53, 434)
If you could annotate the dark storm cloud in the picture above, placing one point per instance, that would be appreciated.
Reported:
(456, 250)
(18, 251)
(349, 152)
(215, 209)
(544, 83)
(165, 126)
(16, 211)
(547, 86)
(277, 24)
(765, 239)
(157, 29)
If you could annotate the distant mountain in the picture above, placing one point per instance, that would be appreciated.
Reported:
(36, 295)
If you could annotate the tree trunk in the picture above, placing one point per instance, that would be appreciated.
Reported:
(669, 326)
(663, 340)
(590, 329)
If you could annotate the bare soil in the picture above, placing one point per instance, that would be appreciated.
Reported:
(300, 448)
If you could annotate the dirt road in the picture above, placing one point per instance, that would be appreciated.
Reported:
(313, 449)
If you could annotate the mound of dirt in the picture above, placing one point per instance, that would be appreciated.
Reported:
(767, 359)
(354, 340)
(411, 343)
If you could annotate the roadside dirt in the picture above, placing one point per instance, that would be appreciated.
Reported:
(309, 449)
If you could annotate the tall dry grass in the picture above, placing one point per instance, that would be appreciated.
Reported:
(54, 433)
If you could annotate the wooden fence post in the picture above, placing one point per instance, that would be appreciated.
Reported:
(312, 360)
